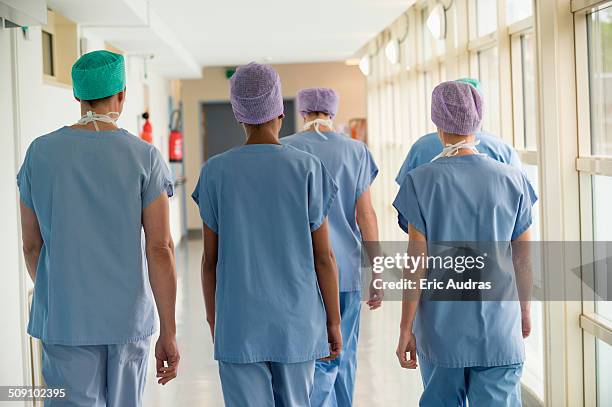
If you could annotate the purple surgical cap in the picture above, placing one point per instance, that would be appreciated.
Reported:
(322, 100)
(255, 94)
(456, 108)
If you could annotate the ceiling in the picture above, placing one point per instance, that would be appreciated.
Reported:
(276, 31)
(185, 35)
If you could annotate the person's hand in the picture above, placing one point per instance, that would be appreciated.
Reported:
(525, 322)
(167, 356)
(376, 296)
(407, 345)
(334, 337)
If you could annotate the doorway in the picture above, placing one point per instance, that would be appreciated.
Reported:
(221, 131)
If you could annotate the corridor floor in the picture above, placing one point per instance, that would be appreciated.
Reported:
(380, 380)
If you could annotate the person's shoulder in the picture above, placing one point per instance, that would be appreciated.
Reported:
(427, 139)
(503, 169)
(300, 155)
(493, 140)
(293, 138)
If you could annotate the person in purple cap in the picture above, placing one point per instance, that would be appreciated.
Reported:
(351, 219)
(468, 350)
(268, 272)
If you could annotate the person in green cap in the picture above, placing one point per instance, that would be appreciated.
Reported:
(427, 148)
(87, 191)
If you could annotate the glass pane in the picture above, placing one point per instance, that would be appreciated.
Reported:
(529, 92)
(486, 16)
(488, 74)
(517, 10)
(425, 36)
(604, 374)
(602, 219)
(600, 80)
(47, 50)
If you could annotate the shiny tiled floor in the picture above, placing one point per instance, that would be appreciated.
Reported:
(380, 380)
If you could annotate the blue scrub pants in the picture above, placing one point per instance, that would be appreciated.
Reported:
(266, 384)
(496, 386)
(334, 381)
(97, 376)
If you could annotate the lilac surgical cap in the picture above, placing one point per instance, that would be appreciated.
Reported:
(323, 100)
(456, 108)
(255, 94)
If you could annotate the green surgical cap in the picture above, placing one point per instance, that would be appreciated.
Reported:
(471, 81)
(97, 75)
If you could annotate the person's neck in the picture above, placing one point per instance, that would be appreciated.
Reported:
(102, 126)
(322, 128)
(451, 140)
(265, 136)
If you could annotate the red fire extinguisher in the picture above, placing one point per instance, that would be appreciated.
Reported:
(147, 129)
(176, 139)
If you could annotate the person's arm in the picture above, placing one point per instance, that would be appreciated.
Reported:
(417, 246)
(368, 226)
(209, 275)
(327, 276)
(31, 239)
(162, 275)
(521, 259)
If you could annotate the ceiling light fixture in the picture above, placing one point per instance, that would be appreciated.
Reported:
(364, 65)
(436, 22)
(392, 51)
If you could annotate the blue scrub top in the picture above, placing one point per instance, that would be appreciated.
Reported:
(353, 168)
(88, 190)
(264, 201)
(443, 202)
(429, 146)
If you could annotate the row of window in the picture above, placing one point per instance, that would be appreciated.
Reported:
(495, 41)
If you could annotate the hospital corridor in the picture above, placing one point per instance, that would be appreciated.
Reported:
(327, 203)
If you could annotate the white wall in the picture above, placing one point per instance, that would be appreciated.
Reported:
(11, 322)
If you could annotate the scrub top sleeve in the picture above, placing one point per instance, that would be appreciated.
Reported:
(367, 172)
(159, 180)
(23, 180)
(408, 208)
(207, 205)
(524, 216)
(322, 191)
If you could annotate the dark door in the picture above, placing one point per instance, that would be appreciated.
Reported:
(222, 132)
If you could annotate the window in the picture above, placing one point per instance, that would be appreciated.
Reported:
(604, 373)
(486, 17)
(48, 49)
(599, 31)
(488, 74)
(594, 68)
(59, 48)
(529, 91)
(517, 10)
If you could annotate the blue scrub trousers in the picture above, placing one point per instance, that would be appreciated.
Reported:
(334, 381)
(496, 386)
(98, 375)
(266, 384)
